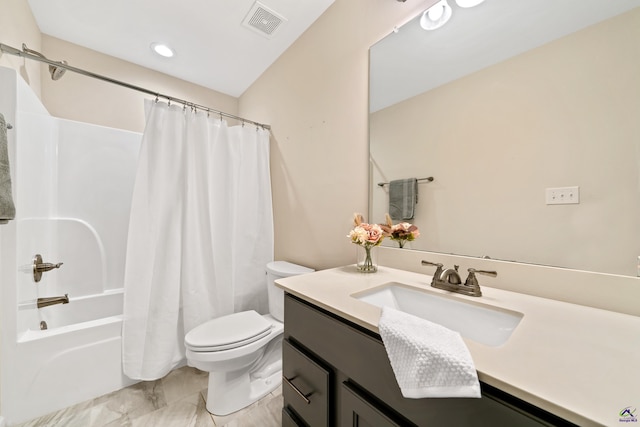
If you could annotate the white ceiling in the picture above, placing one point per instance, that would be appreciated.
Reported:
(413, 60)
(213, 48)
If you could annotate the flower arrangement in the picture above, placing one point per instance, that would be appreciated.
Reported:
(402, 233)
(367, 236)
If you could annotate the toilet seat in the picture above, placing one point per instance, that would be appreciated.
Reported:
(228, 332)
(197, 357)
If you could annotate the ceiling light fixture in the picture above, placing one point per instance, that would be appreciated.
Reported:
(468, 3)
(436, 16)
(162, 50)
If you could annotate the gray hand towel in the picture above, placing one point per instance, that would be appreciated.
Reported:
(7, 208)
(403, 195)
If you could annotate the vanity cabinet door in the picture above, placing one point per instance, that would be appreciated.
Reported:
(305, 386)
(357, 411)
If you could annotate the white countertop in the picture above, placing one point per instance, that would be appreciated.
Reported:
(580, 363)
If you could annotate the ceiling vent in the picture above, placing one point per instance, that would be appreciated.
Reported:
(263, 20)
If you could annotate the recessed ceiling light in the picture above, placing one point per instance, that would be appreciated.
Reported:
(468, 3)
(162, 49)
(436, 16)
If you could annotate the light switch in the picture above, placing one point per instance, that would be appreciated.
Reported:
(563, 195)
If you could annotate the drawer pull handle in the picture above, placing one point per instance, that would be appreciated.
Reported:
(301, 394)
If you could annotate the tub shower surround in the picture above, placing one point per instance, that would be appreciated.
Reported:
(73, 184)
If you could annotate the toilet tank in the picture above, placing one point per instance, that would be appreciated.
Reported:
(278, 270)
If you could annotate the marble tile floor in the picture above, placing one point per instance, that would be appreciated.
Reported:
(177, 400)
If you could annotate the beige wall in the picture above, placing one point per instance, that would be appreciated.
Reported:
(315, 97)
(81, 98)
(565, 114)
(18, 26)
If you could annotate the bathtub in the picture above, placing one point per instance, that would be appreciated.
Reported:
(76, 359)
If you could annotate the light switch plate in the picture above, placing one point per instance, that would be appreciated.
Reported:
(562, 195)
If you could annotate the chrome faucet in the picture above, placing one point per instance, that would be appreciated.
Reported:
(450, 280)
(45, 302)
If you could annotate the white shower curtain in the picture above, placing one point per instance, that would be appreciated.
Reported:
(200, 233)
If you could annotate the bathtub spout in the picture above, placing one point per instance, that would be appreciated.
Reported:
(45, 302)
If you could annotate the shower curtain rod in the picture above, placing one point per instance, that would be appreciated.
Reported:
(13, 51)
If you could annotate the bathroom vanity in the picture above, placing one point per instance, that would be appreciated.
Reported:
(549, 371)
(338, 374)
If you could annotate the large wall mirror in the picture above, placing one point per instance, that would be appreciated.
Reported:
(507, 100)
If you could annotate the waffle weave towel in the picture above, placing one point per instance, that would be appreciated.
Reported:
(428, 360)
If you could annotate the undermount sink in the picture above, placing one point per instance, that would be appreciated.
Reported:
(485, 324)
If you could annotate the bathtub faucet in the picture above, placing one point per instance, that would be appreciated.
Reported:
(45, 302)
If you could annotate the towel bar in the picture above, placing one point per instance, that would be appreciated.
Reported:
(428, 179)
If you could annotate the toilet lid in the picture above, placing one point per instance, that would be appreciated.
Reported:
(228, 332)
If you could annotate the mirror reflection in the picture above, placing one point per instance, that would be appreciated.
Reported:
(526, 115)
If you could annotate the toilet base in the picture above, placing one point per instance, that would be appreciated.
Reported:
(232, 391)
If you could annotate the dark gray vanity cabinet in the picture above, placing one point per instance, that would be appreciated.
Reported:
(337, 373)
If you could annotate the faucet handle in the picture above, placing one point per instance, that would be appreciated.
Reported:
(438, 272)
(40, 267)
(432, 263)
(473, 281)
(485, 272)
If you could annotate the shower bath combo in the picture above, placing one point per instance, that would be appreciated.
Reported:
(61, 321)
(51, 345)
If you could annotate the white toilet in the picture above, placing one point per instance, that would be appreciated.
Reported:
(243, 351)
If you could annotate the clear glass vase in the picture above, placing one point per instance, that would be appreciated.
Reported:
(367, 261)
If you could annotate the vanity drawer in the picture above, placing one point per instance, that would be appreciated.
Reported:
(306, 386)
(289, 419)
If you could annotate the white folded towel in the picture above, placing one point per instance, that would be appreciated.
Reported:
(428, 360)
